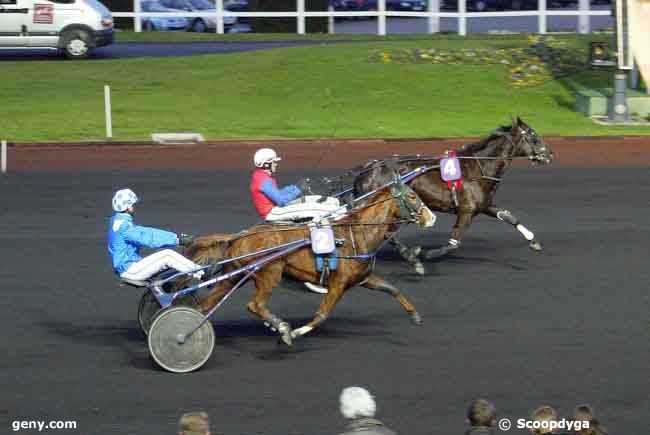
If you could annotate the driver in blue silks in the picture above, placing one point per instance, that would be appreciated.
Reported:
(126, 238)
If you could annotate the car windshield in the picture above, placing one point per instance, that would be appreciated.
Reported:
(202, 5)
(152, 7)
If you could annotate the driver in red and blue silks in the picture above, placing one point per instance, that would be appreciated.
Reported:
(264, 188)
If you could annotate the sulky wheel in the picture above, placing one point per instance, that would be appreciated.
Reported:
(169, 346)
(149, 307)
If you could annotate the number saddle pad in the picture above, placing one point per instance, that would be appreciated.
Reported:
(450, 169)
(322, 240)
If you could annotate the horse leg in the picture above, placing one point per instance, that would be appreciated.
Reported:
(214, 297)
(506, 216)
(265, 281)
(329, 300)
(374, 282)
(463, 222)
(409, 254)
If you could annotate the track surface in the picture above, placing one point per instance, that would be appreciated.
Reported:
(124, 50)
(565, 326)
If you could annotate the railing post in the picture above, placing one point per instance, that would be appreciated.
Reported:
(219, 5)
(301, 16)
(462, 19)
(541, 18)
(3, 157)
(583, 18)
(434, 21)
(381, 19)
(108, 112)
(330, 20)
(137, 23)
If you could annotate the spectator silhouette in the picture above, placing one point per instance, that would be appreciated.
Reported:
(585, 413)
(481, 416)
(545, 415)
(194, 423)
(358, 406)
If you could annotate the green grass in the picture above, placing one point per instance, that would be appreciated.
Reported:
(321, 91)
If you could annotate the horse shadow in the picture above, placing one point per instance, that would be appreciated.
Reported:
(241, 336)
(247, 336)
(483, 253)
(126, 337)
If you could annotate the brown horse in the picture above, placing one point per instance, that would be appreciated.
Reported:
(363, 230)
(483, 165)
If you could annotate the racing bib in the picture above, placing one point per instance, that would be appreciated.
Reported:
(450, 169)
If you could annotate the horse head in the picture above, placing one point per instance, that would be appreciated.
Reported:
(378, 175)
(529, 144)
(411, 206)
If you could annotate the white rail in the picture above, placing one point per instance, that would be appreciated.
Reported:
(433, 14)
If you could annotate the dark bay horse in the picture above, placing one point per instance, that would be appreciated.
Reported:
(483, 165)
(362, 231)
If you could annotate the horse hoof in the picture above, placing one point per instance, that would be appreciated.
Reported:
(418, 268)
(285, 333)
(535, 246)
(416, 318)
(286, 339)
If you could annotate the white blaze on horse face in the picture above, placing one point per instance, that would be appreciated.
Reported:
(526, 232)
(427, 218)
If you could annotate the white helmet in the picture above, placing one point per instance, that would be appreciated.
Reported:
(264, 156)
(124, 199)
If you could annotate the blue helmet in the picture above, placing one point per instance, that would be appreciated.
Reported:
(123, 199)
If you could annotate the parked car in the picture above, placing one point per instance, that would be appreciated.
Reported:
(355, 5)
(484, 5)
(236, 5)
(406, 5)
(161, 23)
(72, 27)
(371, 5)
(200, 24)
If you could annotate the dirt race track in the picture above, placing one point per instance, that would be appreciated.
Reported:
(565, 326)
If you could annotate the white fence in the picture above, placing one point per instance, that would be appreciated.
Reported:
(433, 14)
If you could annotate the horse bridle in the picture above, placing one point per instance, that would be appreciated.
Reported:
(407, 211)
(534, 154)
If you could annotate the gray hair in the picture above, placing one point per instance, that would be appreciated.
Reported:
(357, 402)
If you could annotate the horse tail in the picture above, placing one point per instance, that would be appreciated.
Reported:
(210, 248)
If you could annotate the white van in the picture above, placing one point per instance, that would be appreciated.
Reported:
(72, 26)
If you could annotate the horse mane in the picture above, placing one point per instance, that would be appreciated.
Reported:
(359, 207)
(475, 147)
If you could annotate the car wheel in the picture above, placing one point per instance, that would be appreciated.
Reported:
(480, 5)
(199, 26)
(76, 44)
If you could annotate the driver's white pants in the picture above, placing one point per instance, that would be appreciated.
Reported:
(298, 209)
(157, 262)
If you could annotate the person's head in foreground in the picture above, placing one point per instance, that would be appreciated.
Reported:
(194, 423)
